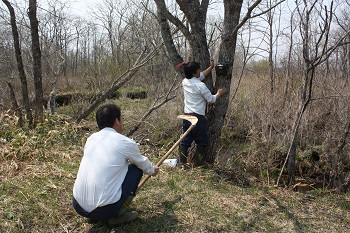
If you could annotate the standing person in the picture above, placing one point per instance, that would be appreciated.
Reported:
(110, 171)
(196, 96)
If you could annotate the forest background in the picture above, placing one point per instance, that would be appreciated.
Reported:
(284, 124)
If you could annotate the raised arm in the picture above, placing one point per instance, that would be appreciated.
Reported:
(209, 69)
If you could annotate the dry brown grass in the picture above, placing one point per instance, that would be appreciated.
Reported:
(38, 169)
(260, 123)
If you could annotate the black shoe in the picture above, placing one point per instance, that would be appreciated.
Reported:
(92, 221)
(183, 154)
(123, 218)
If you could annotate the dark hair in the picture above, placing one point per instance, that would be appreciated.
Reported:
(106, 115)
(191, 68)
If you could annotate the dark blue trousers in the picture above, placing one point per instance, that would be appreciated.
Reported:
(198, 134)
(129, 186)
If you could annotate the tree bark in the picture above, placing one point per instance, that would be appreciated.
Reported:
(39, 112)
(20, 67)
(348, 60)
(175, 58)
(216, 113)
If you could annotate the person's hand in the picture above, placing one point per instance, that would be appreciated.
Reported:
(156, 171)
(212, 63)
(220, 92)
(208, 70)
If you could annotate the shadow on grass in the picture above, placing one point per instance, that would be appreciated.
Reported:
(262, 216)
(163, 219)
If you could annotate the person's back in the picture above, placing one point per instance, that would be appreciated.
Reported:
(110, 171)
(196, 96)
(101, 170)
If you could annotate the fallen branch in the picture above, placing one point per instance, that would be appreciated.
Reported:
(119, 82)
(154, 107)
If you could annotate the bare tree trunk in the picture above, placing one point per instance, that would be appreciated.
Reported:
(34, 24)
(216, 115)
(20, 66)
(175, 58)
(290, 50)
(75, 67)
(309, 72)
(232, 24)
(290, 157)
(52, 98)
(348, 61)
(15, 106)
(271, 64)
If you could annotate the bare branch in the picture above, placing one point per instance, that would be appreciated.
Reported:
(246, 17)
(154, 107)
(249, 12)
(120, 81)
(322, 58)
(174, 20)
(271, 8)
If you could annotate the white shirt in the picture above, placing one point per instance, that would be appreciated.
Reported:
(196, 95)
(104, 166)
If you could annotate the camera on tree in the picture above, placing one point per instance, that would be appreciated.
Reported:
(221, 69)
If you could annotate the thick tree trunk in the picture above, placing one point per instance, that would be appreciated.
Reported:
(216, 113)
(174, 57)
(20, 67)
(39, 112)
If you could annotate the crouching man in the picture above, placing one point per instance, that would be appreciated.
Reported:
(110, 171)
